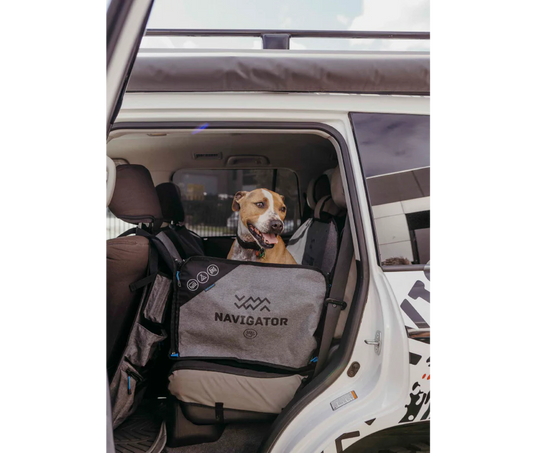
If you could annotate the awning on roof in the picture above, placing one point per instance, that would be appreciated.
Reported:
(405, 73)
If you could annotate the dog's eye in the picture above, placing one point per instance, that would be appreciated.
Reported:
(283, 209)
(260, 204)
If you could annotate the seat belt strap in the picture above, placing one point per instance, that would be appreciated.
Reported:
(128, 233)
(152, 271)
(335, 302)
(165, 247)
(169, 246)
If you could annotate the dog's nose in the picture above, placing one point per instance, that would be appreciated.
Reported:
(276, 226)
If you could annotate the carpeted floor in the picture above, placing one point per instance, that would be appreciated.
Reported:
(244, 438)
(140, 431)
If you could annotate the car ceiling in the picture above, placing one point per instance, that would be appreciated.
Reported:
(308, 154)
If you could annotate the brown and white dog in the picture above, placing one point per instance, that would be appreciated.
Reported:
(261, 215)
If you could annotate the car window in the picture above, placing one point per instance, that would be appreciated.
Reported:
(207, 196)
(394, 152)
(115, 226)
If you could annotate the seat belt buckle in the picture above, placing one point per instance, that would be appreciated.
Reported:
(336, 303)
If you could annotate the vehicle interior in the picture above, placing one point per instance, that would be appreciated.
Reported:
(182, 181)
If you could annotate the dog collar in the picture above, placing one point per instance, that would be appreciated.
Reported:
(260, 251)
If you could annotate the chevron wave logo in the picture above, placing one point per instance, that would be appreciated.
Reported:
(252, 303)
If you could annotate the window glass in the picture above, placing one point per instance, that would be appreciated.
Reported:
(115, 226)
(394, 152)
(207, 196)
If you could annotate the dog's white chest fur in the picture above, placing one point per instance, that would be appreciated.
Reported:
(241, 254)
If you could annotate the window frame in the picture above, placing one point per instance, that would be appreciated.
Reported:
(335, 367)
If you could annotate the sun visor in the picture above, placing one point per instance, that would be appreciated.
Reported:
(110, 178)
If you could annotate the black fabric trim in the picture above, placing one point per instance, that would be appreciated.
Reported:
(206, 415)
(219, 412)
(301, 371)
(253, 263)
(187, 364)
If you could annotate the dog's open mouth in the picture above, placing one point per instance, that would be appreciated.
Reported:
(265, 240)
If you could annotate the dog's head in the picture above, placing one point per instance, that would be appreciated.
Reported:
(261, 213)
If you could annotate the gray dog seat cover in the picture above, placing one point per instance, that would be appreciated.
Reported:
(252, 312)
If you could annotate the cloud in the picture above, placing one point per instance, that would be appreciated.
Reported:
(392, 15)
(286, 22)
(343, 19)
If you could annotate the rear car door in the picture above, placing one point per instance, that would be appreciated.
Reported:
(126, 21)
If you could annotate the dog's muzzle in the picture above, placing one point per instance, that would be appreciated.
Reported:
(267, 240)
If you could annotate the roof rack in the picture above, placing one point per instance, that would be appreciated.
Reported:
(280, 39)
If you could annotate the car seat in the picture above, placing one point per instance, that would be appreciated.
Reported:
(316, 242)
(186, 242)
(221, 376)
(134, 201)
(137, 301)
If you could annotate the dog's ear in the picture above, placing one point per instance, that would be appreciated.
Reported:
(238, 196)
(282, 198)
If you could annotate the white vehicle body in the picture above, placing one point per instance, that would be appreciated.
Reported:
(384, 386)
(385, 381)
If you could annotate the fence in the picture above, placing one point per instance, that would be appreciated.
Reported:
(115, 226)
(210, 216)
(207, 218)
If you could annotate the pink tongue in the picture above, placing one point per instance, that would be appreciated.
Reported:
(270, 238)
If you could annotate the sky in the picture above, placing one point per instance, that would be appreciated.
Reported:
(380, 15)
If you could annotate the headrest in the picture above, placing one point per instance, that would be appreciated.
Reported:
(317, 189)
(135, 199)
(326, 208)
(337, 190)
(170, 200)
(111, 179)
